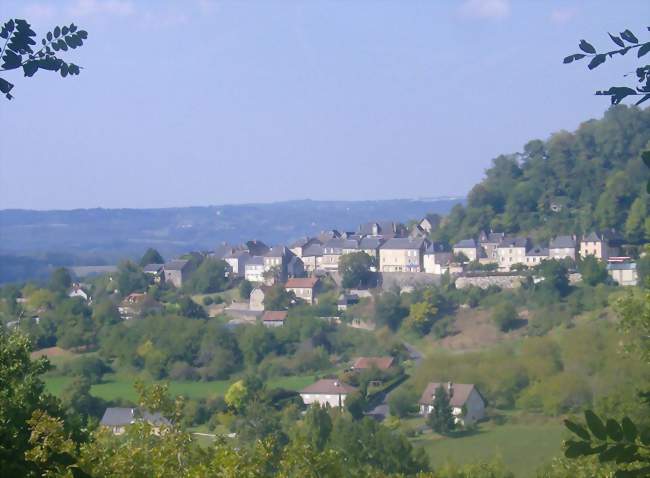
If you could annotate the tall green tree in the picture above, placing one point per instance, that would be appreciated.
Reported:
(441, 418)
(60, 281)
(151, 256)
(355, 270)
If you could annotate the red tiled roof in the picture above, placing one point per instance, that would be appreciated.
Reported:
(460, 393)
(328, 386)
(274, 316)
(301, 282)
(382, 363)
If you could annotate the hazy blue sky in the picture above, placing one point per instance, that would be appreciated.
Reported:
(201, 102)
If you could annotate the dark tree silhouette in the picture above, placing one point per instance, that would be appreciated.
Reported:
(17, 50)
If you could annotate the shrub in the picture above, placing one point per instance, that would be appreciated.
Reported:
(505, 316)
(208, 300)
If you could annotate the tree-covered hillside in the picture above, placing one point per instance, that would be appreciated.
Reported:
(593, 178)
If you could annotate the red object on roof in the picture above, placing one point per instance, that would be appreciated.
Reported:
(274, 316)
(382, 363)
(301, 282)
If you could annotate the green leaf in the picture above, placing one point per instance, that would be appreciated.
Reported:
(586, 47)
(49, 36)
(578, 430)
(629, 36)
(5, 86)
(62, 45)
(645, 156)
(83, 34)
(597, 60)
(71, 41)
(73, 28)
(611, 454)
(57, 32)
(629, 428)
(614, 430)
(11, 60)
(30, 68)
(627, 455)
(595, 425)
(645, 435)
(570, 58)
(64, 69)
(574, 449)
(64, 31)
(616, 40)
(645, 48)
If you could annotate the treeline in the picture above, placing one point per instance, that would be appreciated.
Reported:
(593, 178)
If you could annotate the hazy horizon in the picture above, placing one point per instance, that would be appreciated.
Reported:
(208, 102)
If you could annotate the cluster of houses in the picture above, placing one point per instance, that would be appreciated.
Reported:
(508, 252)
(467, 404)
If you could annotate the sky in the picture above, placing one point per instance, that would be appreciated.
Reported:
(202, 102)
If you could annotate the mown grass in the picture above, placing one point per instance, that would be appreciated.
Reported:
(523, 448)
(120, 386)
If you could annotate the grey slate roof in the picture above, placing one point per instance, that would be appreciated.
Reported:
(152, 268)
(313, 250)
(370, 243)
(276, 251)
(621, 266)
(562, 242)
(492, 237)
(537, 251)
(176, 265)
(255, 261)
(404, 243)
(466, 244)
(120, 416)
(460, 393)
(514, 242)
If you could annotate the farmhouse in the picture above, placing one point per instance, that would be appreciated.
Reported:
(176, 272)
(274, 318)
(116, 419)
(467, 403)
(366, 363)
(304, 288)
(326, 391)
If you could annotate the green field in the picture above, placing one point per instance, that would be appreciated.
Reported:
(121, 386)
(522, 448)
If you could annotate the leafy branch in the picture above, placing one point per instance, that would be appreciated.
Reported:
(626, 41)
(612, 441)
(17, 50)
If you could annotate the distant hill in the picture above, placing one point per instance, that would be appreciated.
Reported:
(32, 240)
(573, 182)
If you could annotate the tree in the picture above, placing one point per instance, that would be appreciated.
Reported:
(236, 395)
(421, 316)
(389, 310)
(277, 298)
(635, 223)
(402, 402)
(60, 281)
(355, 270)
(593, 271)
(130, 278)
(210, 277)
(17, 50)
(505, 316)
(317, 426)
(441, 418)
(245, 289)
(151, 256)
(189, 308)
(555, 275)
(355, 404)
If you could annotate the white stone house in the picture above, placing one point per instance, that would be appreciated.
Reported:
(467, 247)
(254, 269)
(237, 261)
(624, 273)
(601, 246)
(436, 262)
(562, 247)
(326, 391)
(467, 403)
(77, 291)
(512, 251)
(535, 255)
(402, 255)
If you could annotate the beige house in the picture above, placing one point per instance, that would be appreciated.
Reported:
(327, 392)
(467, 247)
(512, 251)
(312, 258)
(562, 247)
(467, 403)
(489, 242)
(254, 270)
(597, 245)
(624, 273)
(256, 299)
(304, 288)
(334, 249)
(535, 255)
(436, 262)
(402, 255)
